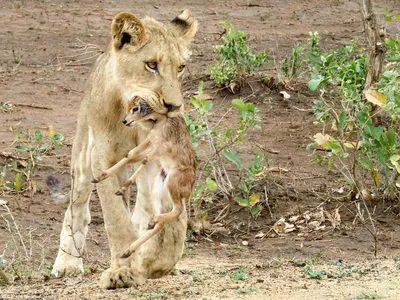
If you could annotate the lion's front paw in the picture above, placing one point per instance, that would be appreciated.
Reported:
(122, 277)
(66, 270)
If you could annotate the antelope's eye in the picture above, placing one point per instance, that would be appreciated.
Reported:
(152, 66)
(181, 68)
(135, 109)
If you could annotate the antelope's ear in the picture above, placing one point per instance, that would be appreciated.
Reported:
(184, 26)
(128, 30)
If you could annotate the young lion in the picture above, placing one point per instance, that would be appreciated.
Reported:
(169, 145)
(142, 55)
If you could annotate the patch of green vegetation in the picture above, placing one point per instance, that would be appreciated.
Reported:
(197, 278)
(133, 293)
(15, 177)
(223, 152)
(369, 295)
(291, 65)
(235, 59)
(314, 274)
(240, 274)
(187, 249)
(361, 147)
(347, 269)
(246, 290)
(158, 293)
(316, 259)
(222, 272)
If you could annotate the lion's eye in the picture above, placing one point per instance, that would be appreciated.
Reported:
(181, 68)
(152, 66)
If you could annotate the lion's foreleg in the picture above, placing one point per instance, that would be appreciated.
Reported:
(77, 217)
(120, 231)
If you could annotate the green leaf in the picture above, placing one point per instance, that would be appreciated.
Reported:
(39, 157)
(38, 135)
(195, 102)
(315, 82)
(18, 182)
(200, 87)
(9, 184)
(258, 159)
(251, 107)
(240, 105)
(254, 198)
(3, 171)
(242, 201)
(364, 118)
(366, 163)
(233, 157)
(43, 147)
(209, 105)
(343, 118)
(203, 215)
(57, 145)
(22, 148)
(211, 184)
(14, 165)
(58, 136)
(391, 137)
(335, 146)
(228, 133)
(255, 210)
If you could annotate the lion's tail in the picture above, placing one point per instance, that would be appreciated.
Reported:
(54, 185)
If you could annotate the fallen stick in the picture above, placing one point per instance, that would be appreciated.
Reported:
(32, 105)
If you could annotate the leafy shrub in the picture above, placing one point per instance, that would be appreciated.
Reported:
(366, 152)
(32, 147)
(291, 65)
(235, 59)
(218, 146)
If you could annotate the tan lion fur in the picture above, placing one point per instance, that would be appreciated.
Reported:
(102, 140)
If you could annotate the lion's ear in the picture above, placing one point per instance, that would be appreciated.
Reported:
(184, 26)
(127, 29)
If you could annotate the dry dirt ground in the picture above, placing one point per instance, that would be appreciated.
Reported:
(42, 75)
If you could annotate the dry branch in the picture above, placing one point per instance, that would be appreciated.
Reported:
(376, 50)
(32, 105)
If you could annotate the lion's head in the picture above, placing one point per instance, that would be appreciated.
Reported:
(149, 57)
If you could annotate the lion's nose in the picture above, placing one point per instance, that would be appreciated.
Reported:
(124, 121)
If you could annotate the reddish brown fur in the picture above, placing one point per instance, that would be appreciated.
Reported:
(169, 144)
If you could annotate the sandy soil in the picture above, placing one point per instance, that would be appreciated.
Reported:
(41, 74)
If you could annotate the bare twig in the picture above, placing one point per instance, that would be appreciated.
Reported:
(267, 201)
(5, 206)
(33, 105)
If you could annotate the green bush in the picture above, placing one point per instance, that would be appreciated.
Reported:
(365, 151)
(235, 59)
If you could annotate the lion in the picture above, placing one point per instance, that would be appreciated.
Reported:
(169, 145)
(144, 56)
